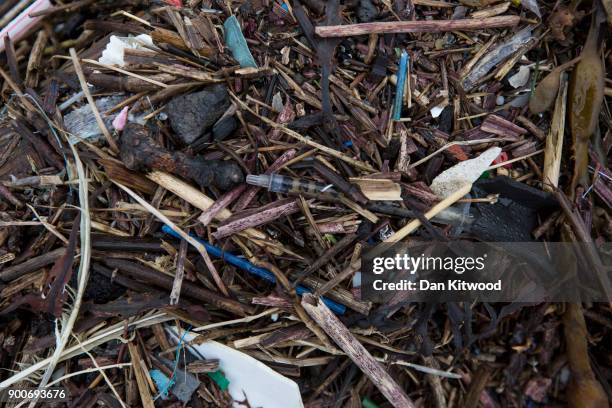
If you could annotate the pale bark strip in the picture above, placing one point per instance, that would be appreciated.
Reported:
(175, 294)
(423, 26)
(262, 215)
(226, 199)
(355, 350)
(554, 141)
(143, 388)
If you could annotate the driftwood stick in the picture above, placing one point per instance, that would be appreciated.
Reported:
(260, 216)
(338, 294)
(226, 199)
(355, 350)
(175, 293)
(432, 26)
(141, 381)
(32, 264)
(554, 141)
(326, 257)
(435, 210)
(197, 245)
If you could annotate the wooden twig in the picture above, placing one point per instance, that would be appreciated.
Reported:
(198, 199)
(477, 386)
(22, 97)
(200, 248)
(259, 216)
(356, 352)
(332, 152)
(435, 210)
(123, 71)
(226, 199)
(423, 26)
(325, 258)
(33, 69)
(31, 265)
(345, 273)
(143, 388)
(175, 293)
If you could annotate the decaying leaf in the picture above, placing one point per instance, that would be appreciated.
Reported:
(586, 94)
(546, 91)
(584, 390)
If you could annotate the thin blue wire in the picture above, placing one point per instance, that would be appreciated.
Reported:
(177, 356)
(254, 270)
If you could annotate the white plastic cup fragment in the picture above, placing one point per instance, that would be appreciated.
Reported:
(262, 386)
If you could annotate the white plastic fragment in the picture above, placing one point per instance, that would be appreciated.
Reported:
(248, 377)
(114, 51)
(520, 78)
(465, 172)
(277, 102)
(21, 24)
(532, 5)
(436, 111)
(81, 122)
(357, 279)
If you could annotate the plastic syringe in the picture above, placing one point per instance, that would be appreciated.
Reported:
(287, 185)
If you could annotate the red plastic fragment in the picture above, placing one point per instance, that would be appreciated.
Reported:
(503, 157)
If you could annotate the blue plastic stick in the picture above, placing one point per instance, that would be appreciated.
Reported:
(254, 270)
(399, 89)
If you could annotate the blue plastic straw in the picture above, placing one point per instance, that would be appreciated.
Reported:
(399, 89)
(254, 270)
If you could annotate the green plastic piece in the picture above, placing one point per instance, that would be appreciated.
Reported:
(235, 41)
(485, 175)
(367, 403)
(330, 238)
(219, 378)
